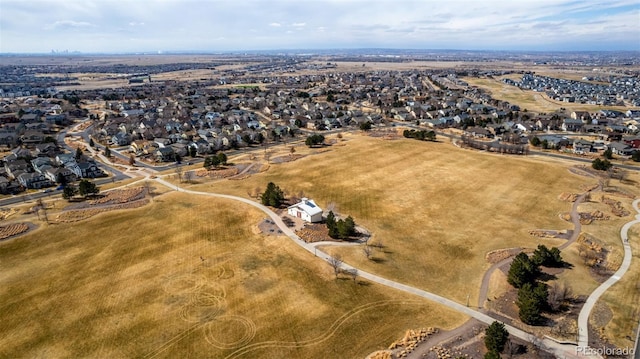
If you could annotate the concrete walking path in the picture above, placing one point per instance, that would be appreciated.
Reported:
(583, 318)
(559, 350)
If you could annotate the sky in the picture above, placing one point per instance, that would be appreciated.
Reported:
(123, 26)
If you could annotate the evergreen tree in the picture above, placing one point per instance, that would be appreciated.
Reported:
(222, 158)
(272, 196)
(86, 188)
(522, 271)
(332, 225)
(547, 257)
(78, 154)
(496, 337)
(69, 191)
(532, 300)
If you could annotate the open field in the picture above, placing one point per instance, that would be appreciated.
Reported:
(530, 100)
(189, 277)
(437, 209)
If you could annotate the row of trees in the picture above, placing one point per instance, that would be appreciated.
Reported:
(342, 228)
(495, 146)
(524, 274)
(84, 188)
(215, 160)
(601, 165)
(422, 135)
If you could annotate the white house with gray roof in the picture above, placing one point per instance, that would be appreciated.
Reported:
(307, 210)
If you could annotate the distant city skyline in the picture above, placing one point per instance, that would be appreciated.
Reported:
(118, 26)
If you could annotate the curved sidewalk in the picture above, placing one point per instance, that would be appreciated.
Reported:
(583, 318)
(559, 350)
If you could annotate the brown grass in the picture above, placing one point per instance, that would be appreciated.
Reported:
(530, 100)
(436, 208)
(188, 276)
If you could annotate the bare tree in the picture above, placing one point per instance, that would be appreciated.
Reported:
(558, 294)
(331, 206)
(336, 263)
(188, 176)
(353, 273)
(367, 251)
(178, 171)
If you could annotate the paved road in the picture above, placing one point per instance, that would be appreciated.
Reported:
(583, 318)
(559, 350)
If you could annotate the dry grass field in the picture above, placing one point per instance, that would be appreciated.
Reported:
(530, 100)
(189, 277)
(437, 209)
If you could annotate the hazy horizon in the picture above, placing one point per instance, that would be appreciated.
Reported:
(218, 26)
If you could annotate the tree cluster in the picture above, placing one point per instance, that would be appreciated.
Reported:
(544, 256)
(342, 228)
(532, 294)
(84, 188)
(215, 160)
(495, 146)
(273, 196)
(422, 135)
(314, 140)
(601, 165)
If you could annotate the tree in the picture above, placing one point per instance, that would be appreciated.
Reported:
(85, 188)
(496, 337)
(193, 152)
(558, 294)
(635, 156)
(78, 154)
(61, 179)
(346, 228)
(608, 154)
(211, 161)
(314, 140)
(601, 165)
(188, 176)
(69, 192)
(544, 256)
(535, 141)
(178, 171)
(367, 251)
(91, 143)
(522, 271)
(332, 225)
(365, 126)
(272, 196)
(132, 160)
(532, 300)
(492, 354)
(107, 151)
(335, 262)
(222, 158)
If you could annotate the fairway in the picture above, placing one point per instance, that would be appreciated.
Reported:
(436, 208)
(188, 276)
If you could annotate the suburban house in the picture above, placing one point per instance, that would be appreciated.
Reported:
(620, 148)
(307, 210)
(34, 180)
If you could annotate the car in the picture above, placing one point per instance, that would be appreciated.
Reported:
(48, 190)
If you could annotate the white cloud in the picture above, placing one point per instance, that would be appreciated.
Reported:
(227, 24)
(62, 24)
